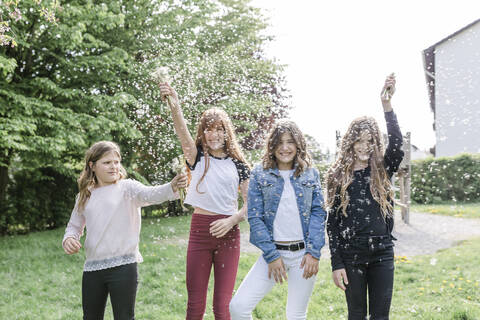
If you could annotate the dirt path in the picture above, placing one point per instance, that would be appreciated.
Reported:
(426, 234)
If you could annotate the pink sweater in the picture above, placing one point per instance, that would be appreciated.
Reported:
(113, 219)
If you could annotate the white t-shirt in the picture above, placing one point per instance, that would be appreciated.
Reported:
(113, 218)
(287, 225)
(219, 188)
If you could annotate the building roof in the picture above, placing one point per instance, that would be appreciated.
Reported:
(429, 63)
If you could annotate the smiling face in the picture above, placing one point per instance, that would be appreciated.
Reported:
(215, 137)
(285, 152)
(107, 168)
(363, 148)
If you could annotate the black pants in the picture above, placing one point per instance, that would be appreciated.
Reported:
(369, 264)
(120, 282)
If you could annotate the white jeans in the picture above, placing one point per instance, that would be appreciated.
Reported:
(257, 284)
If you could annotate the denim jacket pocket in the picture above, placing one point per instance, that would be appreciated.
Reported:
(268, 191)
(308, 187)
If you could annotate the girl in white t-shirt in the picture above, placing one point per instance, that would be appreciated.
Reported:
(218, 170)
(108, 205)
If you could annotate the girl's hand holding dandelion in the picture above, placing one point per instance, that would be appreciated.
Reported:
(162, 79)
(178, 165)
(387, 92)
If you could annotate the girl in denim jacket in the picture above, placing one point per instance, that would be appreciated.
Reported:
(286, 222)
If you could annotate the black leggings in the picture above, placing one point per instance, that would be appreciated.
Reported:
(372, 271)
(120, 282)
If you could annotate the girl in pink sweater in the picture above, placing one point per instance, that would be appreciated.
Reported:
(108, 205)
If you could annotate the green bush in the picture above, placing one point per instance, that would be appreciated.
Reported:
(436, 180)
(37, 200)
(43, 199)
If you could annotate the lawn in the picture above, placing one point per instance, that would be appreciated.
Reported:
(41, 282)
(455, 209)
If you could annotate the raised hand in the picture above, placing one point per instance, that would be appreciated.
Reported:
(166, 91)
(387, 92)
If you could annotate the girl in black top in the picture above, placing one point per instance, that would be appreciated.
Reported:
(360, 212)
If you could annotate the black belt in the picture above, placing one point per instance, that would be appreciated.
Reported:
(291, 247)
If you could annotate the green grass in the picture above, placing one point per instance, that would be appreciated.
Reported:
(40, 282)
(454, 209)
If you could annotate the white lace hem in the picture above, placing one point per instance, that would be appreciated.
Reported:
(112, 262)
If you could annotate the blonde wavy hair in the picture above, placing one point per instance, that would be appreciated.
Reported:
(302, 158)
(340, 175)
(87, 179)
(212, 118)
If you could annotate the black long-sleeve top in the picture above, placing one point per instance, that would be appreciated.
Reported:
(364, 217)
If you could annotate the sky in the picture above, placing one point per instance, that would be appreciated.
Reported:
(338, 54)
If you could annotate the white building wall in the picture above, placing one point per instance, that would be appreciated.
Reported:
(457, 94)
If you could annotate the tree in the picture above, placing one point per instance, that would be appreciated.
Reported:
(318, 152)
(86, 78)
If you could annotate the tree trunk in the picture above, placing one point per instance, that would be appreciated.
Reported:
(3, 179)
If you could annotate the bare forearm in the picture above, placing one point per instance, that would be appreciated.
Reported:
(240, 215)
(181, 127)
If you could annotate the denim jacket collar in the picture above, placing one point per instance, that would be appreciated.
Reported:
(276, 171)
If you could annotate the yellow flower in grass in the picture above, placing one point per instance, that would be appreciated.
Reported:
(399, 259)
(452, 285)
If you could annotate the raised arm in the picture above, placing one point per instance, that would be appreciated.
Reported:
(394, 153)
(186, 140)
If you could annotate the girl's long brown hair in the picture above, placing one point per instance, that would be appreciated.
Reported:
(210, 119)
(302, 158)
(87, 179)
(340, 175)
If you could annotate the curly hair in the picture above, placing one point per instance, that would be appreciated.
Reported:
(302, 158)
(340, 175)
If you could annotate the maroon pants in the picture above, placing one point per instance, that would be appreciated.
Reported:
(204, 250)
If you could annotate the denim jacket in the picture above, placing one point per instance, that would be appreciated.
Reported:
(264, 193)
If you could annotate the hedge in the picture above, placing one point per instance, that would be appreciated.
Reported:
(455, 178)
(43, 199)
